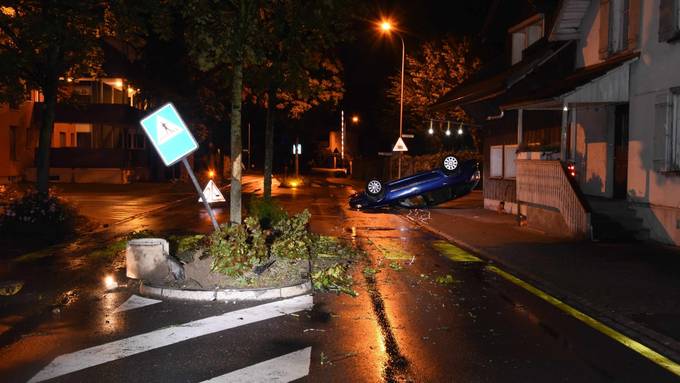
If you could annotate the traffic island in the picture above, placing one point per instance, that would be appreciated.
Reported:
(269, 256)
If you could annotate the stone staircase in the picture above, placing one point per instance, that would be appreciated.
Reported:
(614, 220)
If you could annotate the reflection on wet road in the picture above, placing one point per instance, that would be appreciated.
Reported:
(427, 311)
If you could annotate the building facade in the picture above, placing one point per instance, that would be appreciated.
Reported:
(96, 137)
(608, 163)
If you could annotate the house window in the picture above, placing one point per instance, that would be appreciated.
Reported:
(62, 139)
(669, 20)
(509, 156)
(525, 34)
(13, 137)
(134, 140)
(496, 162)
(502, 161)
(667, 131)
(618, 25)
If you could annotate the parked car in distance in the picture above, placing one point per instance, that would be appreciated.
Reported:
(453, 179)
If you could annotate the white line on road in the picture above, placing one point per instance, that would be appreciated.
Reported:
(285, 368)
(135, 302)
(108, 352)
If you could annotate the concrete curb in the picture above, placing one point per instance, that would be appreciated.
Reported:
(663, 344)
(257, 294)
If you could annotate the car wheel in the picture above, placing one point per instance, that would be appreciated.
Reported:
(375, 188)
(450, 164)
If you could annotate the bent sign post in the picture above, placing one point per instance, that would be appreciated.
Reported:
(174, 142)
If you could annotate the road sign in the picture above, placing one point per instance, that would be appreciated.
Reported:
(407, 135)
(169, 134)
(212, 193)
(400, 146)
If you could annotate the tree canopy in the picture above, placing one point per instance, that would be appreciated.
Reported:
(430, 72)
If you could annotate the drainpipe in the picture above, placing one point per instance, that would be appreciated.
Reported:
(497, 117)
(563, 135)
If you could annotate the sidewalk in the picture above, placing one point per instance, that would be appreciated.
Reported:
(634, 285)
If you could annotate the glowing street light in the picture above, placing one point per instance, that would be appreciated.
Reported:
(355, 119)
(431, 130)
(448, 128)
(387, 27)
(460, 129)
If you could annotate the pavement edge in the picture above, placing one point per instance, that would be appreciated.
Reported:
(257, 294)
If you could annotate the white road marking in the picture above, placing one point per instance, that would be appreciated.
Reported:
(282, 369)
(135, 302)
(108, 352)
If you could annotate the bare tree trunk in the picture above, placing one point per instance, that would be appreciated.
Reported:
(45, 138)
(236, 149)
(269, 145)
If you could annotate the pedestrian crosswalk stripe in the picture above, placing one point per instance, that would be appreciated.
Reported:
(135, 302)
(285, 368)
(108, 352)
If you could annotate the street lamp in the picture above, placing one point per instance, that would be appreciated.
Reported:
(386, 26)
(355, 119)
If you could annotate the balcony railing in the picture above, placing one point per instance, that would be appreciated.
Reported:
(546, 183)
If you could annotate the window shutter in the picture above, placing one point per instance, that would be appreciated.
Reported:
(634, 12)
(662, 111)
(604, 28)
(666, 20)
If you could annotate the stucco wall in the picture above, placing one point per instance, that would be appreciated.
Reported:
(593, 151)
(657, 195)
(587, 50)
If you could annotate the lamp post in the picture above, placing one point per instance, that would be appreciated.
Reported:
(387, 27)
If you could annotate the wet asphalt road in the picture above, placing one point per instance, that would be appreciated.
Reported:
(423, 317)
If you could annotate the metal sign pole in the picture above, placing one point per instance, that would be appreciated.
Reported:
(200, 192)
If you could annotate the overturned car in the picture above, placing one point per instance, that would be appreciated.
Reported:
(452, 180)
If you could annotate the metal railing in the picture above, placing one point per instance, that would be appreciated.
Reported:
(546, 183)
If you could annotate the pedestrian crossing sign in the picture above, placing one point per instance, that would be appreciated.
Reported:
(400, 146)
(169, 134)
(212, 193)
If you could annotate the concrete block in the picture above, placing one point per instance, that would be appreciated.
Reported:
(146, 258)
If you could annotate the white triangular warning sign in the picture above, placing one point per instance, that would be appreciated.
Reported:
(166, 130)
(400, 146)
(212, 193)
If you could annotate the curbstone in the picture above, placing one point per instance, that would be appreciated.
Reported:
(256, 294)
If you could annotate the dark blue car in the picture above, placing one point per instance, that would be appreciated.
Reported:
(452, 180)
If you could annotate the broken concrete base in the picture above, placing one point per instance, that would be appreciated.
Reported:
(149, 259)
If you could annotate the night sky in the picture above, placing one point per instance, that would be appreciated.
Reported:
(371, 59)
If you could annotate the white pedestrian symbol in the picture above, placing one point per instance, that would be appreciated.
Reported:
(212, 193)
(166, 130)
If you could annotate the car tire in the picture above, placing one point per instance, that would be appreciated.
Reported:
(375, 189)
(450, 165)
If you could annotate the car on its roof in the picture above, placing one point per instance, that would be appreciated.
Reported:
(453, 179)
